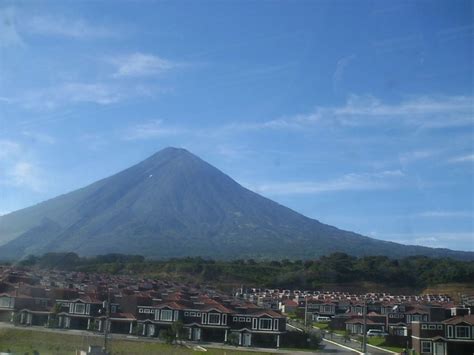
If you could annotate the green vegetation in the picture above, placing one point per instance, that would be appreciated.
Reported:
(337, 268)
(233, 339)
(175, 333)
(380, 341)
(321, 325)
(51, 343)
(346, 336)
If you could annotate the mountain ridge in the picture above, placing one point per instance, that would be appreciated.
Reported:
(175, 204)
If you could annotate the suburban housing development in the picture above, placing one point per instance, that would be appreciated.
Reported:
(428, 324)
(74, 300)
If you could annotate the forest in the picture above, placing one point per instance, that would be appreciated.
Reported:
(337, 268)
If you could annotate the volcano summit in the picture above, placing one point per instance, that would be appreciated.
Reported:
(174, 204)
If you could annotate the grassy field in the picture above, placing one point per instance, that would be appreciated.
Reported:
(22, 341)
(379, 341)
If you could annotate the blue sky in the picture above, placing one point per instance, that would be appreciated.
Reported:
(358, 114)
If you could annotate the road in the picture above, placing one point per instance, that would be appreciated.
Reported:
(342, 344)
(328, 346)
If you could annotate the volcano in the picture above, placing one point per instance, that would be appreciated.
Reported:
(174, 204)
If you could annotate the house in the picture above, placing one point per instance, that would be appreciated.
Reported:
(451, 336)
(258, 327)
(120, 323)
(207, 319)
(32, 310)
(78, 313)
(356, 325)
(7, 306)
(327, 309)
(158, 316)
(318, 307)
(288, 306)
(417, 313)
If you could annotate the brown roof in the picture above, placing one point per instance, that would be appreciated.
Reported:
(374, 314)
(122, 316)
(172, 305)
(460, 319)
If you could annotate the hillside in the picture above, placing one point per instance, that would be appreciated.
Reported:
(174, 204)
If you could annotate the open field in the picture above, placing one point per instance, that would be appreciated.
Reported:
(28, 341)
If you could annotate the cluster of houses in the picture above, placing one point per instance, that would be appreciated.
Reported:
(123, 304)
(83, 301)
(429, 324)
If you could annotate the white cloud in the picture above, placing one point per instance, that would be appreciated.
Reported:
(15, 26)
(74, 93)
(446, 214)
(293, 122)
(462, 159)
(78, 93)
(17, 167)
(150, 130)
(419, 112)
(140, 64)
(9, 149)
(24, 174)
(422, 111)
(450, 240)
(96, 93)
(409, 157)
(349, 182)
(65, 27)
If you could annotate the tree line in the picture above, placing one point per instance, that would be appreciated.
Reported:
(337, 268)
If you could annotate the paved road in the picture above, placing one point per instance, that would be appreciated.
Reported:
(328, 347)
(338, 340)
(354, 344)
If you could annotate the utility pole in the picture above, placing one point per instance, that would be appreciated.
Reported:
(364, 341)
(305, 310)
(107, 315)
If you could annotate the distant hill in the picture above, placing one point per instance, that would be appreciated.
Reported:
(174, 204)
